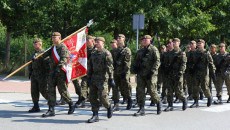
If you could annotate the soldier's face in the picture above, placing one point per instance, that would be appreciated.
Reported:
(90, 42)
(37, 45)
(176, 44)
(56, 39)
(121, 41)
(170, 46)
(113, 45)
(163, 50)
(200, 45)
(146, 42)
(222, 48)
(213, 49)
(99, 44)
(193, 46)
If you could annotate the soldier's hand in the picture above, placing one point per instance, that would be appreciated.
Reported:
(123, 75)
(88, 81)
(149, 75)
(33, 58)
(111, 82)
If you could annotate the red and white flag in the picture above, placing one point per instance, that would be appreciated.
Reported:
(77, 62)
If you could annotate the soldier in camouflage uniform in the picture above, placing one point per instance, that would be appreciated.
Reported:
(160, 70)
(189, 69)
(38, 72)
(213, 54)
(202, 62)
(82, 89)
(100, 72)
(122, 64)
(165, 77)
(57, 76)
(222, 63)
(146, 64)
(175, 65)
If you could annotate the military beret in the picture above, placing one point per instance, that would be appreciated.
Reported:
(113, 41)
(121, 35)
(147, 37)
(201, 40)
(163, 47)
(56, 34)
(213, 45)
(221, 44)
(37, 40)
(176, 40)
(100, 39)
(170, 40)
(90, 37)
(192, 42)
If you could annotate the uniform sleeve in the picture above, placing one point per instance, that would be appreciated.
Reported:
(211, 65)
(156, 64)
(127, 60)
(183, 63)
(89, 67)
(30, 65)
(64, 54)
(109, 64)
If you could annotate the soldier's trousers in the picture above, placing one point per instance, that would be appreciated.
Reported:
(81, 90)
(220, 79)
(150, 84)
(175, 85)
(122, 85)
(190, 82)
(98, 93)
(38, 85)
(60, 82)
(201, 82)
(159, 80)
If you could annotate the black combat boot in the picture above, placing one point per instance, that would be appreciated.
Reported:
(228, 101)
(195, 104)
(164, 100)
(201, 95)
(71, 108)
(170, 107)
(135, 105)
(94, 118)
(159, 108)
(35, 108)
(116, 106)
(140, 112)
(50, 112)
(129, 105)
(209, 103)
(61, 102)
(152, 103)
(109, 112)
(219, 101)
(80, 103)
(185, 104)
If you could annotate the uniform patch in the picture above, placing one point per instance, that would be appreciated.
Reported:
(63, 48)
(107, 54)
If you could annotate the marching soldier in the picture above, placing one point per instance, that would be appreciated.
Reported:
(160, 70)
(146, 64)
(100, 72)
(38, 73)
(213, 54)
(222, 62)
(203, 61)
(82, 89)
(57, 76)
(175, 64)
(122, 65)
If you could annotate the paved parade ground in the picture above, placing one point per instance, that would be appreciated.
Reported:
(15, 102)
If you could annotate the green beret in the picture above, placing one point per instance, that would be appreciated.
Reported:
(176, 40)
(100, 38)
(56, 34)
(37, 40)
(121, 35)
(113, 41)
(147, 37)
(213, 45)
(170, 40)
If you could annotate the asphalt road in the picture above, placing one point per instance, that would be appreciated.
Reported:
(15, 105)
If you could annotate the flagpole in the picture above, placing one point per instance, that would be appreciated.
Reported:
(88, 25)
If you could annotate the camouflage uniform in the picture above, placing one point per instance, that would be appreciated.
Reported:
(147, 62)
(122, 63)
(202, 63)
(39, 72)
(175, 64)
(57, 76)
(222, 62)
(160, 74)
(210, 72)
(99, 69)
(189, 71)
